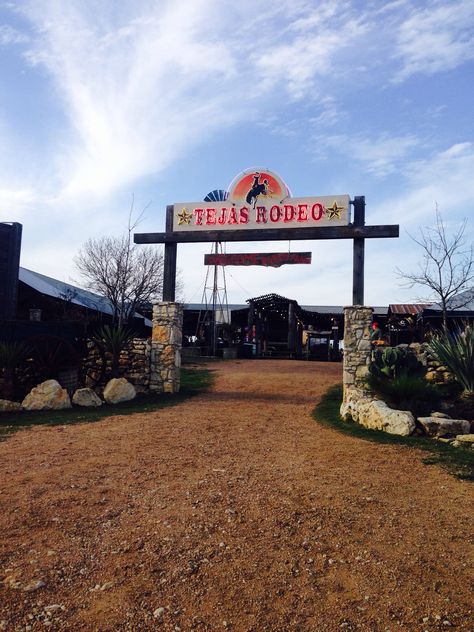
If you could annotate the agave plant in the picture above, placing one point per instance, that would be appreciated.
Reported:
(11, 355)
(113, 340)
(456, 351)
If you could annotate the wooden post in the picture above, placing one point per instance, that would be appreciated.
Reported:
(291, 329)
(258, 334)
(169, 267)
(359, 252)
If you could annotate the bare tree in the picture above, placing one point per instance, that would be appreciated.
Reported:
(129, 276)
(447, 266)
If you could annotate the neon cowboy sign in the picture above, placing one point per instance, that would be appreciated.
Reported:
(258, 198)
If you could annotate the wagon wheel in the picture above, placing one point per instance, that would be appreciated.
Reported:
(53, 357)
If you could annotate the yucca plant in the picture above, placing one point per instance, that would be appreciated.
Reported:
(11, 355)
(113, 340)
(455, 350)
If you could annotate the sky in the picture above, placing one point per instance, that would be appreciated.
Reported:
(109, 103)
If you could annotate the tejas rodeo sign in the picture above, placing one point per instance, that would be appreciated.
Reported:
(257, 200)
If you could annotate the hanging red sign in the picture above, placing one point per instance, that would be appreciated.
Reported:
(269, 259)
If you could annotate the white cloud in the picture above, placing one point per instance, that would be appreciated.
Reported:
(444, 178)
(141, 90)
(10, 35)
(310, 48)
(137, 95)
(379, 156)
(436, 38)
(144, 83)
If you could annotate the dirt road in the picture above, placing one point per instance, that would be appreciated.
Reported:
(234, 510)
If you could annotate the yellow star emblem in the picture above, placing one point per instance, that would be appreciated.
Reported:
(334, 211)
(184, 217)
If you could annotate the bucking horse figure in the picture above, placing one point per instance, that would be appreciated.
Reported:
(258, 188)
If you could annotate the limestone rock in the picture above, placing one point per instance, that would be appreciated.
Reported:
(465, 439)
(376, 415)
(86, 397)
(119, 390)
(47, 396)
(6, 406)
(440, 415)
(379, 416)
(437, 427)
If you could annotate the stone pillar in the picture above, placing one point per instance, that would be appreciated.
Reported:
(166, 342)
(357, 349)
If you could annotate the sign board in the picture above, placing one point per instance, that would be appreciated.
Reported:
(259, 207)
(269, 259)
(259, 199)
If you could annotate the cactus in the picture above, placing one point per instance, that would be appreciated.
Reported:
(393, 362)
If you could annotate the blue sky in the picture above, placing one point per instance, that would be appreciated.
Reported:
(167, 100)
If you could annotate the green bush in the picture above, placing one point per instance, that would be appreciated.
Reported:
(456, 351)
(397, 377)
(407, 392)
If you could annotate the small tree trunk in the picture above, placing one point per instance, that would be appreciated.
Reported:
(445, 317)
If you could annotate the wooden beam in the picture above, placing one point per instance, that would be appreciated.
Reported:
(270, 234)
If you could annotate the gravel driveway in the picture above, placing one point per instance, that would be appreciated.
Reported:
(234, 510)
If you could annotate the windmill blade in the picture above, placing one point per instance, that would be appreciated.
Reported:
(218, 195)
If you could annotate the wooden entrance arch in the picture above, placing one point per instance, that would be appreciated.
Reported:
(357, 231)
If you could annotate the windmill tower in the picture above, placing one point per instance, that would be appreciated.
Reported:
(214, 296)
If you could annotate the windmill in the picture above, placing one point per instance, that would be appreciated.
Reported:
(214, 295)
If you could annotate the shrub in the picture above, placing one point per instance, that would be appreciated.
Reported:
(397, 376)
(393, 362)
(456, 351)
(407, 392)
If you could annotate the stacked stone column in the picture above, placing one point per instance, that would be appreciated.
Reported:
(357, 350)
(166, 342)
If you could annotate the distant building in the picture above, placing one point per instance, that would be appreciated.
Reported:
(52, 308)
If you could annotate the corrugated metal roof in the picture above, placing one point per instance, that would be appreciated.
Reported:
(202, 306)
(379, 310)
(408, 308)
(67, 292)
(464, 301)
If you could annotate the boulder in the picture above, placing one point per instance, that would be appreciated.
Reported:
(438, 427)
(47, 396)
(465, 439)
(376, 415)
(86, 397)
(119, 390)
(6, 406)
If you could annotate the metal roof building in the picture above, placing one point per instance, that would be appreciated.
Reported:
(47, 286)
